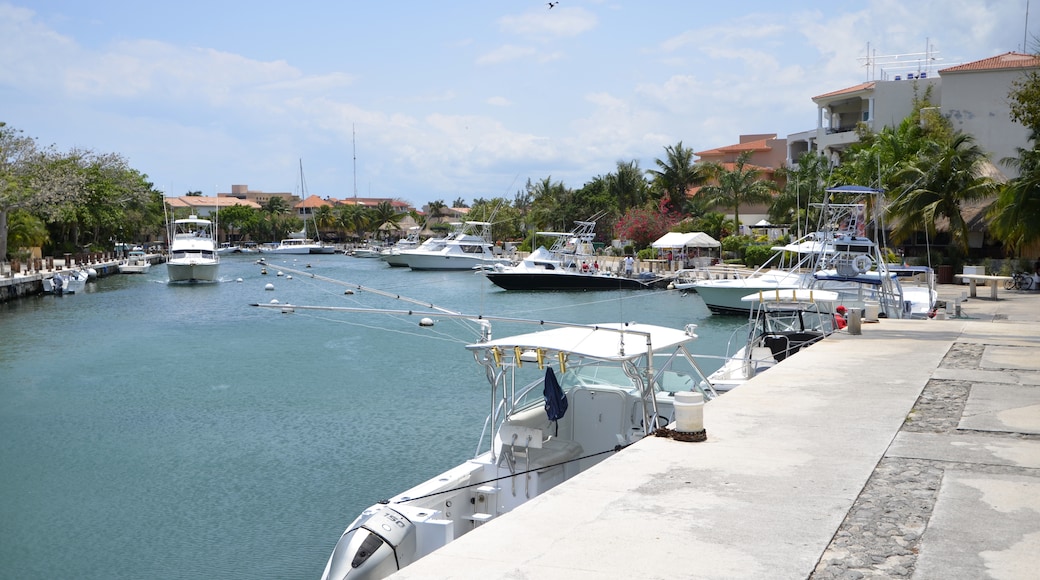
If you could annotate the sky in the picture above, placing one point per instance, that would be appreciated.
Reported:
(422, 101)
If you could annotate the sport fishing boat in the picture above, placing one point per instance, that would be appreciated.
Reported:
(392, 255)
(562, 400)
(569, 264)
(467, 247)
(193, 251)
(838, 257)
(781, 323)
(136, 262)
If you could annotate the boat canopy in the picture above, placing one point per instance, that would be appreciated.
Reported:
(610, 341)
(792, 295)
(686, 240)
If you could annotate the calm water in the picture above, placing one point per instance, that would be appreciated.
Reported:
(153, 430)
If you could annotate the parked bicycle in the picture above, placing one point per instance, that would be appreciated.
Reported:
(1020, 281)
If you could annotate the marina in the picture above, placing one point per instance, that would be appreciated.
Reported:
(245, 431)
(251, 431)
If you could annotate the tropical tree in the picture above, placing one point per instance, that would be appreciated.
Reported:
(548, 200)
(26, 231)
(236, 217)
(436, 209)
(354, 218)
(17, 155)
(1015, 216)
(948, 173)
(715, 225)
(275, 206)
(628, 185)
(677, 173)
(805, 184)
(324, 218)
(741, 185)
(385, 217)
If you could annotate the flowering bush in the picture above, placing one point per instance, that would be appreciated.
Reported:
(644, 226)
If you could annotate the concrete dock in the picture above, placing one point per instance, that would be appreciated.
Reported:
(911, 450)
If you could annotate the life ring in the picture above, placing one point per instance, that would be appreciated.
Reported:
(862, 263)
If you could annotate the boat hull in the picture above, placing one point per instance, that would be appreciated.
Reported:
(134, 268)
(192, 271)
(562, 281)
(448, 261)
(724, 296)
(395, 260)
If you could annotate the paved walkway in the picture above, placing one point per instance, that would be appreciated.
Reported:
(911, 450)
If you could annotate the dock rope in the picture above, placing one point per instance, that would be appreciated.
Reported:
(616, 449)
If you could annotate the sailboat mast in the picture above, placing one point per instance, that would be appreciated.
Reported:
(353, 143)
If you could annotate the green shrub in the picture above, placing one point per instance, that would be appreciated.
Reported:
(756, 255)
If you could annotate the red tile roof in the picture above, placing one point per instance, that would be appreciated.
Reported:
(756, 145)
(854, 89)
(1008, 60)
(210, 202)
(313, 201)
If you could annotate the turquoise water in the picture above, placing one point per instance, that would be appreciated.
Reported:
(156, 430)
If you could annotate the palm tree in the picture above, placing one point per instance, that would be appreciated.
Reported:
(25, 230)
(324, 218)
(628, 185)
(948, 173)
(677, 174)
(1015, 217)
(436, 209)
(740, 185)
(353, 218)
(805, 184)
(384, 214)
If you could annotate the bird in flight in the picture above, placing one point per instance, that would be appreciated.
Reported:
(551, 4)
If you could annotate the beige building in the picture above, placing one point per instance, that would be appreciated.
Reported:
(876, 104)
(259, 197)
(973, 96)
(975, 100)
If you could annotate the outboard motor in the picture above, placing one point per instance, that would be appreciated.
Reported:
(58, 284)
(380, 542)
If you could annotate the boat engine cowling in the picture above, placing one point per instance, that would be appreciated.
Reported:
(380, 542)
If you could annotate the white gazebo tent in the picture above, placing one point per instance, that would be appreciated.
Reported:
(689, 244)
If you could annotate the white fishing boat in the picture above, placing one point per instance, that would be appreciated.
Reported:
(66, 282)
(838, 257)
(467, 247)
(781, 323)
(392, 255)
(569, 264)
(369, 250)
(562, 400)
(136, 262)
(193, 251)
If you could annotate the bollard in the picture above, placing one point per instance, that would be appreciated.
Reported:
(855, 321)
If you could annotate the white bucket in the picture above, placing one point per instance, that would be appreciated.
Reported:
(689, 412)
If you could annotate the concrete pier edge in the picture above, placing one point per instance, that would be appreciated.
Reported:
(911, 450)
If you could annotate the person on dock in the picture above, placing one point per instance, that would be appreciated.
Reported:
(629, 266)
(839, 317)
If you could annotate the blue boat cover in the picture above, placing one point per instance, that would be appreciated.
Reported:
(555, 399)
